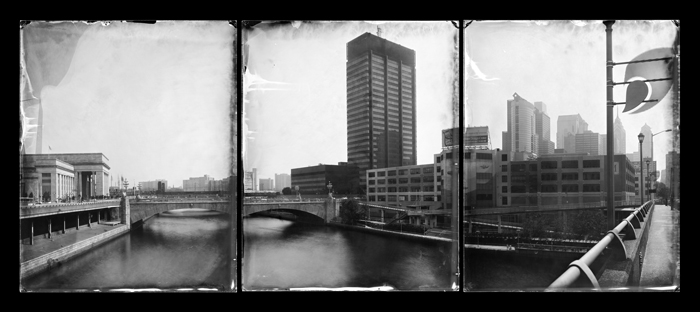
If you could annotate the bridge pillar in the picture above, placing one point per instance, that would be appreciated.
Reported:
(125, 211)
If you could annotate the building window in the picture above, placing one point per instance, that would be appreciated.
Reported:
(392, 189)
(371, 174)
(517, 188)
(392, 198)
(504, 178)
(568, 188)
(504, 168)
(468, 155)
(504, 189)
(415, 180)
(371, 182)
(551, 164)
(569, 176)
(591, 187)
(381, 190)
(592, 163)
(549, 177)
(381, 198)
(438, 198)
(415, 171)
(428, 170)
(392, 181)
(518, 167)
(437, 159)
(381, 173)
(428, 178)
(449, 155)
(403, 171)
(403, 189)
(533, 168)
(504, 200)
(428, 198)
(484, 156)
(403, 180)
(391, 173)
(371, 190)
(428, 188)
(569, 164)
(372, 198)
(591, 175)
(415, 188)
(504, 157)
(483, 196)
(548, 188)
(381, 181)
(483, 175)
(439, 188)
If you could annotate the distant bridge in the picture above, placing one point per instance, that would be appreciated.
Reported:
(326, 210)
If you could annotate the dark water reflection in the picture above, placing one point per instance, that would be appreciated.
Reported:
(284, 254)
(179, 249)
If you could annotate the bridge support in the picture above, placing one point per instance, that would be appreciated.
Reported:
(125, 211)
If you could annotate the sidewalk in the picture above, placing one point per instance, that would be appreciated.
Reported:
(43, 245)
(662, 258)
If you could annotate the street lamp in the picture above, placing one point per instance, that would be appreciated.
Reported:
(329, 186)
(641, 168)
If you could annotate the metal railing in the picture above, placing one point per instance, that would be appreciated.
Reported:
(545, 208)
(582, 265)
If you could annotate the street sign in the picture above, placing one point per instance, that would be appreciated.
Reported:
(658, 68)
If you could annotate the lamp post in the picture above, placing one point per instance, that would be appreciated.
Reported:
(329, 186)
(641, 168)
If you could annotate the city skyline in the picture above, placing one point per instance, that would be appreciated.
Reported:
(295, 111)
(134, 92)
(560, 63)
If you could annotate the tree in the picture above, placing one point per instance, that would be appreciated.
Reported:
(351, 211)
(662, 191)
(588, 223)
(287, 191)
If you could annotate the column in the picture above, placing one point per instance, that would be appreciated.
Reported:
(77, 221)
(31, 234)
(64, 224)
(381, 211)
(89, 221)
(98, 217)
(49, 227)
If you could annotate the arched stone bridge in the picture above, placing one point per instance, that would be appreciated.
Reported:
(326, 210)
(145, 209)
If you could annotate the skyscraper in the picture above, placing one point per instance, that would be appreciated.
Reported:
(619, 142)
(282, 180)
(528, 127)
(587, 142)
(647, 144)
(381, 108)
(567, 128)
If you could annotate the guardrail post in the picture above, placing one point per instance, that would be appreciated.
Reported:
(586, 271)
(619, 246)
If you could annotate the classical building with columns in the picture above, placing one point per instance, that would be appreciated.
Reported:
(50, 177)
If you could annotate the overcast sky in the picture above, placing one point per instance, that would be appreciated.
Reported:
(154, 99)
(562, 64)
(296, 90)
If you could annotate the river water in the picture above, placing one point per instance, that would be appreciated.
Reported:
(183, 248)
(281, 254)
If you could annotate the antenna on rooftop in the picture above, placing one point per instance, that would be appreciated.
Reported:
(379, 31)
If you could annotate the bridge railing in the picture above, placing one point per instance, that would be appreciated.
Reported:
(625, 228)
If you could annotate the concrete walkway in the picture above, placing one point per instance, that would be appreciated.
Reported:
(43, 245)
(661, 264)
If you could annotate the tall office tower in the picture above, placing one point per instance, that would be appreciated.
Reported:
(567, 128)
(381, 107)
(282, 180)
(521, 135)
(542, 128)
(587, 142)
(619, 142)
(647, 144)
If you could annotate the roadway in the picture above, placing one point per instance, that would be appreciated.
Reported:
(661, 263)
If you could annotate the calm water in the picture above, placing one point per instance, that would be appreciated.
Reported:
(284, 254)
(185, 248)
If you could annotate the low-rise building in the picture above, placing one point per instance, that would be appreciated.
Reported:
(50, 177)
(344, 178)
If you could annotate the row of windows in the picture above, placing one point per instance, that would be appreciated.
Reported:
(403, 189)
(553, 188)
(394, 198)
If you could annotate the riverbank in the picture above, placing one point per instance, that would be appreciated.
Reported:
(380, 231)
(48, 252)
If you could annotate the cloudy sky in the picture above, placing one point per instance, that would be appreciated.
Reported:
(154, 99)
(562, 64)
(295, 101)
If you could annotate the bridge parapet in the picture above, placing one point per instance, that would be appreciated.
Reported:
(43, 210)
(623, 267)
(326, 210)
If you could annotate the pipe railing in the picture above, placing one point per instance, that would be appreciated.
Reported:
(626, 228)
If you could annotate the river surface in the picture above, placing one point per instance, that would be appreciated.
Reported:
(280, 254)
(183, 248)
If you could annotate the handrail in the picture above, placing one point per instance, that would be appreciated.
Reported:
(574, 271)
